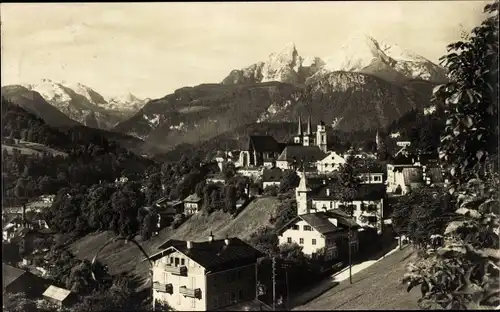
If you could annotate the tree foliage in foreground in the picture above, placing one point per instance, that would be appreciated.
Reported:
(463, 273)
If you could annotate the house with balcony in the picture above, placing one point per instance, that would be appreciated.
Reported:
(367, 207)
(205, 276)
(322, 229)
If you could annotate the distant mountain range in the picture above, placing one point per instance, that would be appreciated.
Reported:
(80, 103)
(364, 85)
(361, 54)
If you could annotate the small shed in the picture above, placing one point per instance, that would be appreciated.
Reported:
(59, 296)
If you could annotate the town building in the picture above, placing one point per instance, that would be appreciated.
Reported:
(297, 156)
(16, 280)
(271, 177)
(330, 163)
(367, 207)
(409, 171)
(328, 230)
(261, 148)
(204, 276)
(192, 204)
(310, 138)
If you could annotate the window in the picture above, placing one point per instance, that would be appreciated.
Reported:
(171, 260)
(238, 275)
(183, 262)
(328, 242)
(301, 241)
(314, 241)
(240, 295)
(307, 228)
(216, 301)
(289, 240)
(295, 227)
(377, 178)
(233, 297)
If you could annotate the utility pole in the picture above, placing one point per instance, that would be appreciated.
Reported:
(350, 256)
(274, 283)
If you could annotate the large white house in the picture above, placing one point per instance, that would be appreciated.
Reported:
(204, 276)
(330, 163)
(318, 230)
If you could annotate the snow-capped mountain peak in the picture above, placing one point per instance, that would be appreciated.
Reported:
(360, 53)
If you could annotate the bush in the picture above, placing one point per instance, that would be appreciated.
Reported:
(178, 220)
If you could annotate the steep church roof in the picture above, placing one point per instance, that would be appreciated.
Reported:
(308, 153)
(263, 143)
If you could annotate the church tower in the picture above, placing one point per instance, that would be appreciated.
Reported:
(307, 139)
(298, 138)
(301, 195)
(321, 136)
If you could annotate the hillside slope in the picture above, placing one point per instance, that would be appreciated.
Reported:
(34, 103)
(378, 287)
(121, 257)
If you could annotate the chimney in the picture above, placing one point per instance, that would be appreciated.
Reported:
(210, 237)
(189, 244)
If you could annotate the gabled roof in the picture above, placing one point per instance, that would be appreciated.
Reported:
(57, 293)
(263, 143)
(193, 198)
(272, 175)
(299, 152)
(319, 221)
(10, 274)
(363, 192)
(215, 255)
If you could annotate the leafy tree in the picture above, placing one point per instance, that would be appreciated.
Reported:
(229, 171)
(463, 273)
(271, 190)
(178, 220)
(18, 303)
(265, 240)
(348, 180)
(229, 199)
(289, 181)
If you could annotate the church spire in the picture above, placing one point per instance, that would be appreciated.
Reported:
(299, 132)
(308, 129)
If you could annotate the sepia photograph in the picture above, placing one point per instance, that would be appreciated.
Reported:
(250, 156)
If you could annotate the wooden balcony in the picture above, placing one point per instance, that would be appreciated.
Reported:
(166, 288)
(190, 292)
(176, 270)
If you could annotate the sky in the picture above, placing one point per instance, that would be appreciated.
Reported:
(152, 49)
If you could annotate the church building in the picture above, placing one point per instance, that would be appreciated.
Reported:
(310, 138)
